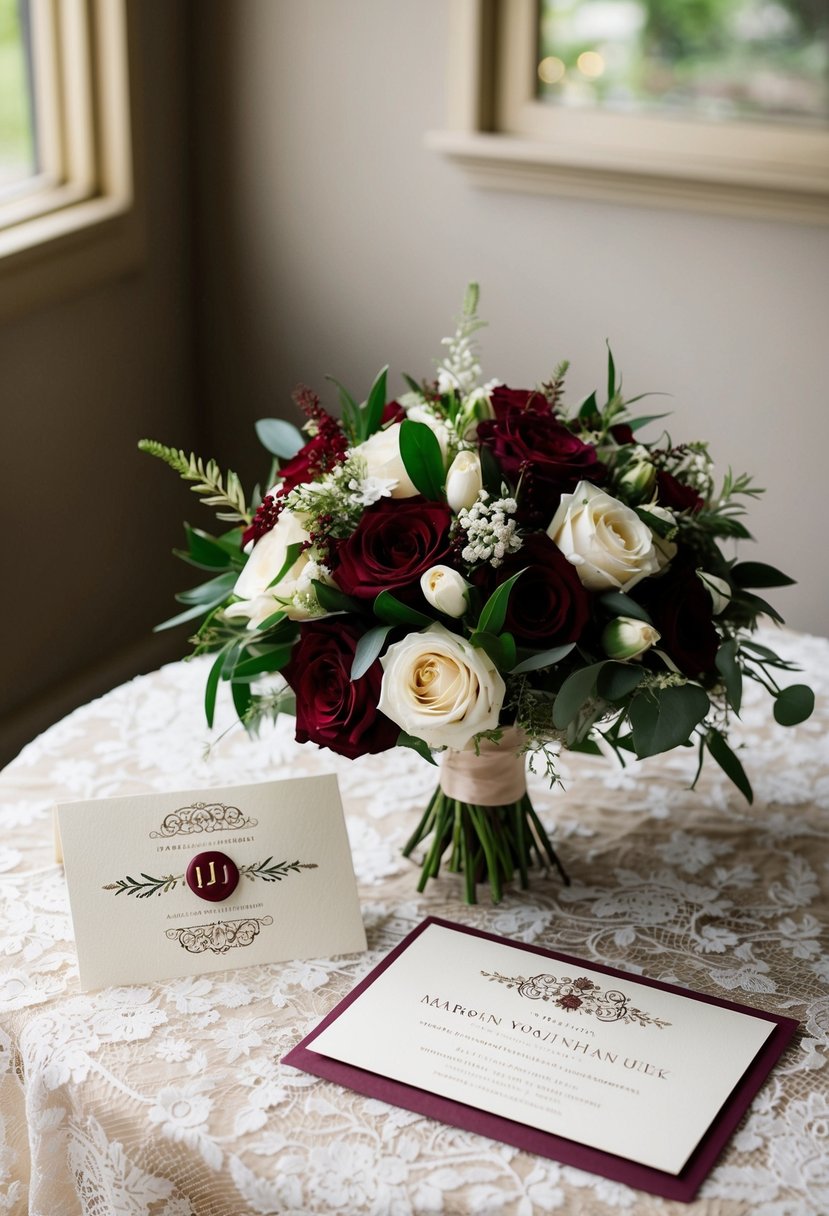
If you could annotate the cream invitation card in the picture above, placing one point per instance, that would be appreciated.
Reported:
(551, 1050)
(164, 885)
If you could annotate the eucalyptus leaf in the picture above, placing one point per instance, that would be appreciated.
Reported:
(279, 437)
(494, 611)
(368, 648)
(210, 593)
(758, 574)
(622, 605)
(729, 763)
(574, 692)
(422, 458)
(394, 612)
(617, 680)
(794, 704)
(728, 667)
(543, 658)
(664, 718)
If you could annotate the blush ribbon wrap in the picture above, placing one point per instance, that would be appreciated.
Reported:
(494, 776)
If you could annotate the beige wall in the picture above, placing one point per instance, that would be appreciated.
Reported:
(333, 241)
(88, 521)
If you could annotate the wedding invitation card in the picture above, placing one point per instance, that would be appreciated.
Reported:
(637, 1080)
(164, 885)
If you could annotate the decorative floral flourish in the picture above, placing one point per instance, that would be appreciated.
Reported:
(268, 870)
(580, 996)
(203, 817)
(219, 936)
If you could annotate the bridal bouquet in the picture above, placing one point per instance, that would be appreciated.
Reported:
(481, 571)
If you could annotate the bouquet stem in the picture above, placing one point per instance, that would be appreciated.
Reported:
(483, 841)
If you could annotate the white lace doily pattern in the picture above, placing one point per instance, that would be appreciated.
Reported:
(169, 1100)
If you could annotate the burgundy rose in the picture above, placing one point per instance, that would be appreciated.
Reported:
(622, 433)
(548, 606)
(332, 709)
(504, 399)
(392, 412)
(682, 611)
(569, 1002)
(675, 495)
(540, 452)
(395, 542)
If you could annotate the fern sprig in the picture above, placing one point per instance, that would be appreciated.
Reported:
(208, 479)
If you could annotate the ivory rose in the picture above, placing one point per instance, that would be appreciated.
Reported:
(380, 454)
(294, 593)
(607, 542)
(440, 688)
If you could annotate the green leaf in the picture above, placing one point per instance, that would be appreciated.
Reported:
(422, 459)
(291, 554)
(413, 385)
(543, 658)
(211, 687)
(611, 374)
(373, 410)
(349, 409)
(191, 614)
(636, 424)
(617, 680)
(276, 618)
(663, 718)
(728, 667)
(394, 612)
(574, 692)
(279, 437)
(491, 475)
(499, 647)
(273, 659)
(758, 605)
(242, 698)
(794, 704)
(494, 611)
(210, 593)
(331, 599)
(588, 408)
(368, 648)
(622, 605)
(204, 551)
(729, 763)
(758, 574)
(417, 745)
(662, 527)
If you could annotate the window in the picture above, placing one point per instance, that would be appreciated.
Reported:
(723, 118)
(68, 207)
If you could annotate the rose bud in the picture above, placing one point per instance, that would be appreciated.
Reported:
(626, 638)
(445, 590)
(637, 479)
(717, 588)
(464, 481)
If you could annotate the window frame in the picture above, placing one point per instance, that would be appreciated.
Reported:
(79, 220)
(509, 139)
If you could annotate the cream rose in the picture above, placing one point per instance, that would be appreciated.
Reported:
(609, 545)
(439, 688)
(445, 590)
(294, 593)
(380, 454)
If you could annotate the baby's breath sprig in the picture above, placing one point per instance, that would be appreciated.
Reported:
(491, 530)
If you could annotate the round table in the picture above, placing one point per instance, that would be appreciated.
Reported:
(170, 1100)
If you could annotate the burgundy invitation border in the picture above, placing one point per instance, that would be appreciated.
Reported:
(682, 1186)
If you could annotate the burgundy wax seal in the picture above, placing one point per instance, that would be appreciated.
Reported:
(212, 876)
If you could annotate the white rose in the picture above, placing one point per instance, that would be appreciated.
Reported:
(294, 593)
(607, 542)
(440, 688)
(380, 454)
(445, 590)
(464, 481)
(436, 424)
(626, 638)
(666, 550)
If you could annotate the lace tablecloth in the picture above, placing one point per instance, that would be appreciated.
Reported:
(169, 1099)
